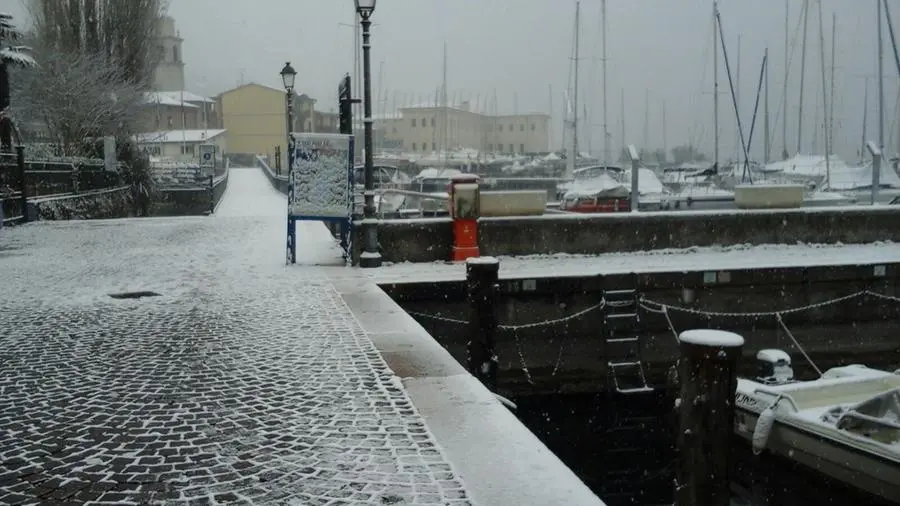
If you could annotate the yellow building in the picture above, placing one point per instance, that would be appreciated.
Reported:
(255, 117)
(428, 129)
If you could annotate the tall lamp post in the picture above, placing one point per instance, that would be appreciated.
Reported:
(288, 76)
(370, 256)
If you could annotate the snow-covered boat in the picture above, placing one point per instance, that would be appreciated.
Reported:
(600, 188)
(845, 424)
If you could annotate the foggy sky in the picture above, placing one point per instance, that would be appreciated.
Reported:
(520, 49)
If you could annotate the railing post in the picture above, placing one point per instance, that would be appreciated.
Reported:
(212, 194)
(707, 373)
(20, 168)
(481, 282)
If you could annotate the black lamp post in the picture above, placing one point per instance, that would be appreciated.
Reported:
(370, 256)
(288, 76)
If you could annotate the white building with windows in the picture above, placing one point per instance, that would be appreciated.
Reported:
(181, 145)
(430, 129)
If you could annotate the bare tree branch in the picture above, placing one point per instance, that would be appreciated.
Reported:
(74, 97)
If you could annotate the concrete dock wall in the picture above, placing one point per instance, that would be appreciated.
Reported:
(568, 356)
(428, 240)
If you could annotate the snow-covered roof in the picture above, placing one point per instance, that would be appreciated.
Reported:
(163, 98)
(178, 136)
(186, 95)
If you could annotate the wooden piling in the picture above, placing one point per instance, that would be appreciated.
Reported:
(707, 373)
(481, 286)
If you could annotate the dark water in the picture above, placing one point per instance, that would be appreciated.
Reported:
(634, 467)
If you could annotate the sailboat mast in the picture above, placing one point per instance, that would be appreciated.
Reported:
(767, 145)
(876, 174)
(622, 102)
(787, 11)
(445, 120)
(831, 91)
(647, 119)
(577, 56)
(665, 138)
(716, 85)
(802, 76)
(865, 122)
(824, 95)
(737, 93)
(550, 130)
(605, 124)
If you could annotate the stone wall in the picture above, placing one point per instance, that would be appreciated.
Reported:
(100, 204)
(429, 240)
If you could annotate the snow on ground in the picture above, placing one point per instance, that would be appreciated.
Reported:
(250, 194)
(669, 260)
(243, 382)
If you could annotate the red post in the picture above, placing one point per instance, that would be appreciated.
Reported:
(464, 209)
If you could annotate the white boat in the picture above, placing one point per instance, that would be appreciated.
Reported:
(845, 425)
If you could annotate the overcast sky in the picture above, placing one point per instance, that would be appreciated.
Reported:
(521, 49)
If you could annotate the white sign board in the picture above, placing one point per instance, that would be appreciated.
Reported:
(320, 176)
(109, 154)
(208, 156)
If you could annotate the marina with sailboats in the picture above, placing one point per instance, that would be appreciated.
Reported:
(593, 183)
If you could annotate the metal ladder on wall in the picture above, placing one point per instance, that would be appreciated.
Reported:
(622, 342)
(627, 426)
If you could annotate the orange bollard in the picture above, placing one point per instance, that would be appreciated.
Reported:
(465, 239)
(464, 208)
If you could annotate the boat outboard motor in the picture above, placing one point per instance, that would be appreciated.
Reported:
(773, 367)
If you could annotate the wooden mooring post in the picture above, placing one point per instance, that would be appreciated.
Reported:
(482, 274)
(707, 374)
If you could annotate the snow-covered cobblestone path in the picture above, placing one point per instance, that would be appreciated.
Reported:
(243, 382)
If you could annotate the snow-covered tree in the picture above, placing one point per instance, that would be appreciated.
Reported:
(10, 56)
(72, 97)
(121, 31)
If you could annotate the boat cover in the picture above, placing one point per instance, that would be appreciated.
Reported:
(877, 417)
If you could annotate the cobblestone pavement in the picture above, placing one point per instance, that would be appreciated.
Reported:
(243, 382)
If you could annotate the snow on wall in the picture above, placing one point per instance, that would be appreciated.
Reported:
(113, 203)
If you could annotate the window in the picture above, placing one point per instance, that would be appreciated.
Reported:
(432, 122)
(522, 127)
(521, 148)
(414, 126)
(414, 145)
(511, 129)
(512, 149)
(433, 146)
(490, 147)
(187, 149)
(175, 54)
(500, 127)
(170, 122)
(394, 129)
(532, 127)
